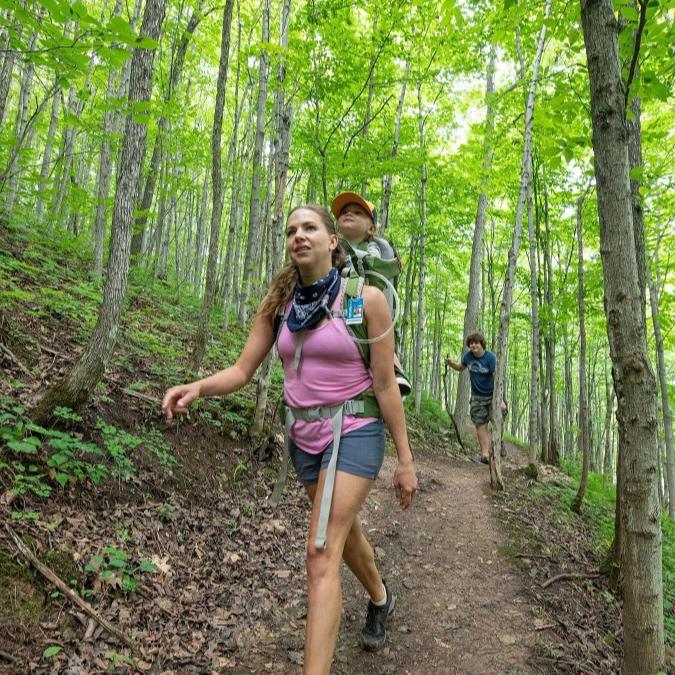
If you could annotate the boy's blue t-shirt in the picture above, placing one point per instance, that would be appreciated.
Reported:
(481, 372)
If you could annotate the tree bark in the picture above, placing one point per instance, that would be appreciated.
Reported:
(533, 421)
(474, 292)
(634, 383)
(584, 432)
(255, 223)
(216, 191)
(282, 116)
(76, 386)
(663, 385)
(496, 480)
(387, 180)
(177, 62)
(417, 368)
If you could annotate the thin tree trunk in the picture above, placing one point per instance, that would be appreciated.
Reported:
(47, 153)
(533, 422)
(417, 368)
(663, 385)
(177, 62)
(282, 116)
(387, 180)
(254, 219)
(199, 243)
(216, 190)
(640, 527)
(474, 292)
(496, 480)
(77, 385)
(584, 432)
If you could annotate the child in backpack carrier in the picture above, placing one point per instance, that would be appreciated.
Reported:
(356, 223)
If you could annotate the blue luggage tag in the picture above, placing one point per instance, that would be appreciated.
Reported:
(354, 311)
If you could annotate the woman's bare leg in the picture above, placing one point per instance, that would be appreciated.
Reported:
(324, 591)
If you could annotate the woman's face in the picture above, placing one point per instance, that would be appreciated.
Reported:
(355, 223)
(308, 242)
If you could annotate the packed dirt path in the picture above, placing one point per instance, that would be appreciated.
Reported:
(461, 606)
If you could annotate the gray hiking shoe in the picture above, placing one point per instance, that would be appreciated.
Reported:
(374, 633)
(502, 450)
(481, 459)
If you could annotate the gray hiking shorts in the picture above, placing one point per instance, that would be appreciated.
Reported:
(361, 453)
(480, 409)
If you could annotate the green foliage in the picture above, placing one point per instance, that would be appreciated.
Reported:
(37, 458)
(429, 426)
(598, 513)
(114, 567)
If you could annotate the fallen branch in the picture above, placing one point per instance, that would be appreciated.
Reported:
(9, 353)
(8, 657)
(68, 592)
(569, 575)
(144, 397)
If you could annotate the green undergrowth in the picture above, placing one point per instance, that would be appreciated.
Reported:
(597, 512)
(431, 429)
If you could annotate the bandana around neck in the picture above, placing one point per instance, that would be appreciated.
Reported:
(311, 303)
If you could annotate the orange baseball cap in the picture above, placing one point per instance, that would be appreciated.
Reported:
(345, 198)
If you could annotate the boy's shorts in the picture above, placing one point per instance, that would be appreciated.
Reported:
(361, 454)
(480, 410)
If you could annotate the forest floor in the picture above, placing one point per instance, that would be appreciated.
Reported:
(228, 595)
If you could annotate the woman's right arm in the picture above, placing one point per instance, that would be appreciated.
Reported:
(260, 340)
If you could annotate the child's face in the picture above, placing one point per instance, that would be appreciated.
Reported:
(476, 349)
(355, 223)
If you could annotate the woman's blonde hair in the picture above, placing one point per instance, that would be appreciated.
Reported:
(283, 284)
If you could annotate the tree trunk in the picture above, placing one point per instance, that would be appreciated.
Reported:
(496, 480)
(216, 190)
(47, 153)
(255, 224)
(663, 384)
(474, 292)
(282, 116)
(533, 422)
(417, 368)
(177, 62)
(77, 385)
(584, 435)
(387, 180)
(634, 383)
(609, 408)
(199, 237)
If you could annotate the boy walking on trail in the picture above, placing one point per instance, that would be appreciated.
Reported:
(481, 364)
(356, 223)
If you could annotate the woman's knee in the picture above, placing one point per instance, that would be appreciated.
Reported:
(321, 564)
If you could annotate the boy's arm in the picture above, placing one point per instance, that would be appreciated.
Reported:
(455, 365)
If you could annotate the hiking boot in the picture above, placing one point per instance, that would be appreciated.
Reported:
(374, 633)
(403, 382)
(481, 459)
(502, 450)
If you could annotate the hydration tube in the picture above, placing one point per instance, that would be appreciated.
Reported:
(397, 310)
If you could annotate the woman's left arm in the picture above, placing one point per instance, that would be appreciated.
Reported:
(378, 321)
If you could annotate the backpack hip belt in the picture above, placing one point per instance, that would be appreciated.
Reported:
(355, 406)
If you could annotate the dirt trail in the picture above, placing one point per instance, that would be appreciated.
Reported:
(461, 607)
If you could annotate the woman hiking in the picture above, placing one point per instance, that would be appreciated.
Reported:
(336, 411)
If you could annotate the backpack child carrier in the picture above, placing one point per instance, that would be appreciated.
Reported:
(362, 268)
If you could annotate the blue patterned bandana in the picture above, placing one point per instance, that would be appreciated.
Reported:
(312, 303)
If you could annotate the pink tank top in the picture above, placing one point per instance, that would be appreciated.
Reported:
(331, 371)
